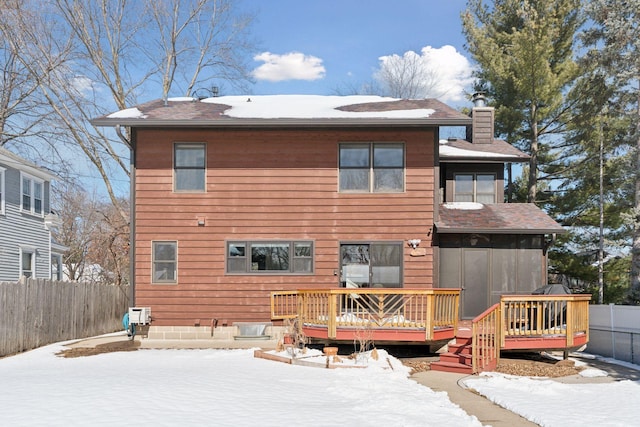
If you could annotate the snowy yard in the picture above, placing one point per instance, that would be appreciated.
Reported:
(232, 388)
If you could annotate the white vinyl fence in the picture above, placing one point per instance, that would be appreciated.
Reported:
(37, 312)
(614, 331)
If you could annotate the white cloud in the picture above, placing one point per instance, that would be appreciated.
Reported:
(82, 83)
(289, 66)
(441, 73)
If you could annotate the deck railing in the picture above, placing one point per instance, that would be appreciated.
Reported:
(486, 338)
(545, 315)
(426, 309)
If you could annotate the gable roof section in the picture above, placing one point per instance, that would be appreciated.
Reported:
(498, 218)
(458, 150)
(287, 110)
(14, 161)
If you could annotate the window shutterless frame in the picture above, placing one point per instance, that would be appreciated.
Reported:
(189, 167)
(164, 262)
(475, 187)
(32, 194)
(377, 167)
(269, 257)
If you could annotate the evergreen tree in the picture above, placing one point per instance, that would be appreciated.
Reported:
(524, 49)
(614, 48)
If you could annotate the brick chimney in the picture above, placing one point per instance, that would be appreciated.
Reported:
(481, 131)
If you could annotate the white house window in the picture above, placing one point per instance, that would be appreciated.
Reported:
(164, 262)
(189, 167)
(279, 257)
(27, 263)
(32, 195)
(475, 187)
(372, 167)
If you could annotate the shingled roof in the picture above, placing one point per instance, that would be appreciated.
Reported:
(498, 218)
(459, 150)
(285, 110)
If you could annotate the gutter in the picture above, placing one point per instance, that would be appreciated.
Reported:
(463, 230)
(233, 122)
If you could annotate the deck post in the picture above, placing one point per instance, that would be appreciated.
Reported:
(570, 323)
(333, 315)
(428, 326)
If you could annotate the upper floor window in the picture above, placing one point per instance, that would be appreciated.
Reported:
(475, 187)
(164, 262)
(189, 167)
(270, 257)
(32, 195)
(372, 167)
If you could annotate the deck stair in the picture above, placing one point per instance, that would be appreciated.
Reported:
(457, 358)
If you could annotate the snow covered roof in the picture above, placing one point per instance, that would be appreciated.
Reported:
(13, 160)
(498, 218)
(458, 150)
(294, 110)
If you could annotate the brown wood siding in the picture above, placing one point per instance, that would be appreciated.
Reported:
(268, 184)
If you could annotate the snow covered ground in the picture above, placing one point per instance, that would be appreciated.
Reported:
(232, 388)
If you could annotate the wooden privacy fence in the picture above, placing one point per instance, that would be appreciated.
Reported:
(36, 312)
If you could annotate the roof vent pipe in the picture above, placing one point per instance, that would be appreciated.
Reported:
(479, 100)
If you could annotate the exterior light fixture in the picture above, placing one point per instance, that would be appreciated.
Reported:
(414, 243)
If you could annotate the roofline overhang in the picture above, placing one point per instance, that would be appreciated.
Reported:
(23, 165)
(280, 122)
(484, 159)
(463, 230)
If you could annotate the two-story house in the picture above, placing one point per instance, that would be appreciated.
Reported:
(26, 247)
(235, 197)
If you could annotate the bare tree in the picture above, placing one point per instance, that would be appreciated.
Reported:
(22, 109)
(200, 40)
(64, 62)
(79, 215)
(89, 58)
(408, 76)
(94, 232)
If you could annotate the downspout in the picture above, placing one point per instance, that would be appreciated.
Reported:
(132, 222)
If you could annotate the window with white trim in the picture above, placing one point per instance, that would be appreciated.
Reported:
(32, 191)
(475, 187)
(371, 167)
(164, 262)
(27, 263)
(275, 257)
(189, 167)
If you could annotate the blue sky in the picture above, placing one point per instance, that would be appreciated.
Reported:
(315, 47)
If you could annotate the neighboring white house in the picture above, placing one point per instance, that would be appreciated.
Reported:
(26, 220)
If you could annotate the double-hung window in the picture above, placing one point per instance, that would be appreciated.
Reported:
(27, 263)
(32, 195)
(275, 257)
(189, 167)
(475, 187)
(372, 167)
(164, 262)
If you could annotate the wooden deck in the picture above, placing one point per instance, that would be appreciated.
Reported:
(518, 322)
(396, 315)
